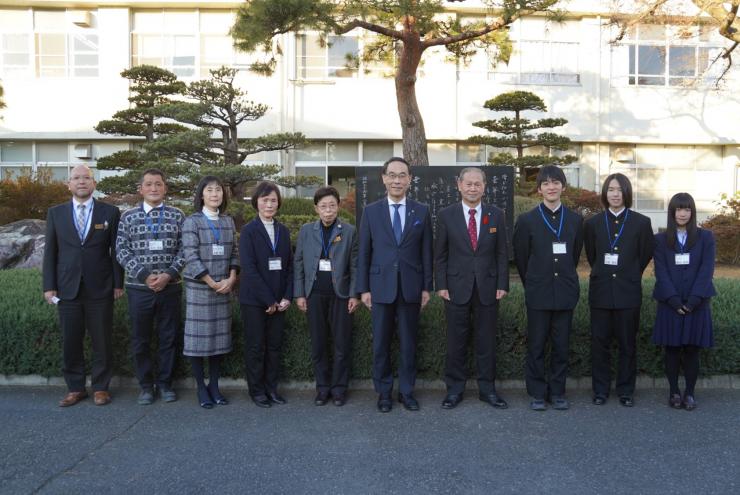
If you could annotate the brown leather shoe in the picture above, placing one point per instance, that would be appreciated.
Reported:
(72, 398)
(101, 398)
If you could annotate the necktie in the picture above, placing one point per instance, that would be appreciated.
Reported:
(397, 224)
(81, 221)
(473, 229)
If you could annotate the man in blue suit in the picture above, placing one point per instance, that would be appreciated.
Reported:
(394, 278)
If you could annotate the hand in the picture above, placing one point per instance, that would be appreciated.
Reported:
(367, 300)
(284, 304)
(681, 311)
(686, 309)
(49, 295)
(271, 309)
(160, 282)
(117, 294)
(151, 280)
(352, 305)
(301, 303)
(424, 298)
(500, 294)
(444, 294)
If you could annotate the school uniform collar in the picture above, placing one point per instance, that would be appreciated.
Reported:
(617, 214)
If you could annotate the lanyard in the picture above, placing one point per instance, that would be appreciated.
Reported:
(613, 243)
(325, 245)
(81, 233)
(150, 223)
(682, 245)
(547, 224)
(216, 231)
(274, 245)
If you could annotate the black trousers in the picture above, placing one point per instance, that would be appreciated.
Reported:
(263, 337)
(328, 313)
(95, 315)
(147, 308)
(541, 325)
(458, 328)
(607, 324)
(385, 317)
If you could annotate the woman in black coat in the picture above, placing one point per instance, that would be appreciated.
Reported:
(684, 267)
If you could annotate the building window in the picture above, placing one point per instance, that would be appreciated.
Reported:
(65, 43)
(337, 57)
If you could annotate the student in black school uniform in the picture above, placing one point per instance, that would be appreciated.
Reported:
(547, 245)
(619, 245)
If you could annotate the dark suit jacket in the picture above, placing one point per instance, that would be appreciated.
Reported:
(342, 253)
(381, 260)
(617, 287)
(457, 267)
(260, 286)
(67, 261)
(550, 280)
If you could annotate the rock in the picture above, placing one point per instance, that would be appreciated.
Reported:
(22, 244)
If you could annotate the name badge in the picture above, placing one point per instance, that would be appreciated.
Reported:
(275, 264)
(559, 248)
(324, 265)
(218, 250)
(156, 245)
(611, 259)
(682, 259)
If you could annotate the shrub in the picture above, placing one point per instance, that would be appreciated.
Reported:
(584, 201)
(30, 340)
(726, 228)
(523, 204)
(30, 195)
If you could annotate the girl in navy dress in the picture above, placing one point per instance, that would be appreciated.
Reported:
(684, 266)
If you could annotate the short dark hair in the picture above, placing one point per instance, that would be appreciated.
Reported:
(265, 188)
(323, 192)
(204, 182)
(550, 172)
(396, 159)
(624, 184)
(152, 171)
(681, 200)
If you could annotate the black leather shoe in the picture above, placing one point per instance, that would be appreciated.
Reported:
(385, 404)
(451, 401)
(321, 398)
(204, 399)
(494, 400)
(275, 398)
(689, 403)
(339, 400)
(261, 401)
(599, 400)
(627, 401)
(675, 401)
(408, 401)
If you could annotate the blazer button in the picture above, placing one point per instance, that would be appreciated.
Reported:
(556, 274)
(556, 259)
(614, 275)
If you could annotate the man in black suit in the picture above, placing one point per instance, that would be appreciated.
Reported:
(547, 245)
(619, 245)
(471, 275)
(394, 278)
(81, 276)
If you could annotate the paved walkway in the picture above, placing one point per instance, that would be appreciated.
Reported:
(301, 448)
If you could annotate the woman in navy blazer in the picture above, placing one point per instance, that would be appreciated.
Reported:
(265, 292)
(684, 266)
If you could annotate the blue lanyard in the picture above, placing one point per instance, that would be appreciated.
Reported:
(325, 245)
(609, 232)
(150, 223)
(547, 224)
(81, 233)
(216, 231)
(681, 245)
(277, 236)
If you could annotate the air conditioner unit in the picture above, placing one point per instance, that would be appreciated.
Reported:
(624, 155)
(83, 151)
(81, 18)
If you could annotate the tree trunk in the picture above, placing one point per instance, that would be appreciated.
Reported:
(412, 125)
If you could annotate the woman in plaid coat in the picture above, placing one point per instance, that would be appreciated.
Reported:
(212, 263)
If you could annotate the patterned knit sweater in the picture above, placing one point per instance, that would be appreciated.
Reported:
(133, 249)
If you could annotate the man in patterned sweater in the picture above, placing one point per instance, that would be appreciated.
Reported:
(149, 248)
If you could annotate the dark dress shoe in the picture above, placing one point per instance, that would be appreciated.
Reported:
(340, 400)
(599, 400)
(261, 401)
(689, 403)
(101, 398)
(560, 403)
(494, 400)
(217, 397)
(72, 398)
(538, 405)
(408, 401)
(275, 398)
(385, 404)
(204, 399)
(321, 398)
(451, 401)
(675, 401)
(627, 401)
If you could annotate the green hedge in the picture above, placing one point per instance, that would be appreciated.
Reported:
(30, 341)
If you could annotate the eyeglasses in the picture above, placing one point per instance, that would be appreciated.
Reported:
(401, 176)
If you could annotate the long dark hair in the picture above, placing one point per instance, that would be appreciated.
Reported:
(198, 198)
(624, 184)
(681, 200)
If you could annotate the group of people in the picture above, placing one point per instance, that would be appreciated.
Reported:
(391, 264)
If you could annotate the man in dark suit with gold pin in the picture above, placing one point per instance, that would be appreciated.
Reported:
(471, 275)
(81, 276)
